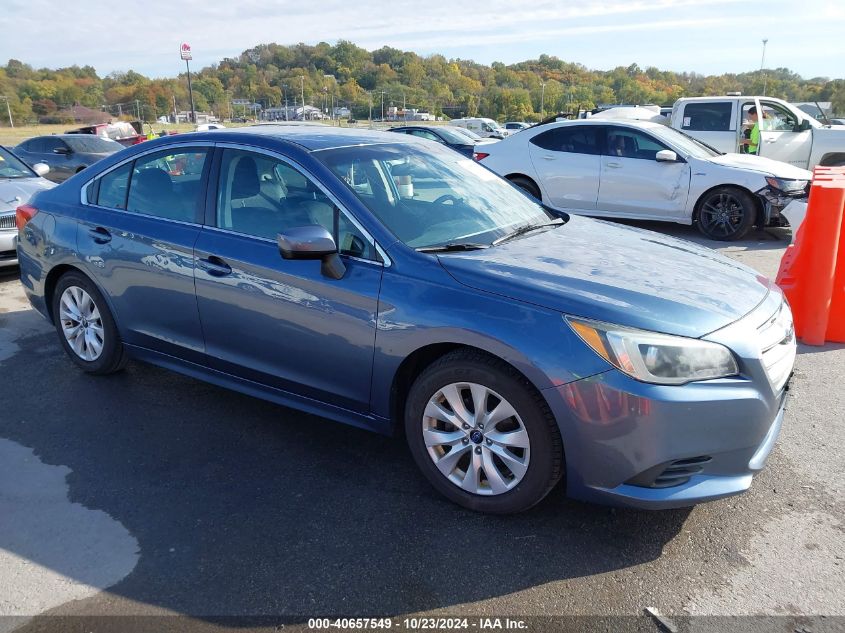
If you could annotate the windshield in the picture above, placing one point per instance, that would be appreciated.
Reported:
(13, 167)
(92, 144)
(686, 144)
(432, 196)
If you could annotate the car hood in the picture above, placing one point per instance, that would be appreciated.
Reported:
(762, 165)
(17, 191)
(616, 273)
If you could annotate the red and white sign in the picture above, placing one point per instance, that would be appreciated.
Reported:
(185, 51)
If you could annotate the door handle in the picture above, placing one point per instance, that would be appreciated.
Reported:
(100, 235)
(614, 165)
(547, 157)
(215, 266)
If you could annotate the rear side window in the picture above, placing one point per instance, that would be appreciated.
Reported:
(113, 188)
(168, 184)
(707, 117)
(582, 139)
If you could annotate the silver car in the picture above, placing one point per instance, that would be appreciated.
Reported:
(18, 183)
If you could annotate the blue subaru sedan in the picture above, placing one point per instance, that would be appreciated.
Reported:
(393, 284)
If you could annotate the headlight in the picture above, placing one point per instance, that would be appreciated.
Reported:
(787, 185)
(656, 358)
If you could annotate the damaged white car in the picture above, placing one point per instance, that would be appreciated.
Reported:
(648, 171)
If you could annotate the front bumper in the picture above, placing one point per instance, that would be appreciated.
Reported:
(8, 246)
(641, 445)
(775, 201)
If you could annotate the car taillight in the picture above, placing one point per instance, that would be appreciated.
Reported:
(24, 214)
(480, 155)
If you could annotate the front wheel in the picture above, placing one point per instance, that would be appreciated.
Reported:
(726, 214)
(527, 185)
(482, 435)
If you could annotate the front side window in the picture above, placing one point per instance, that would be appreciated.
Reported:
(627, 143)
(263, 196)
(707, 117)
(167, 184)
(777, 118)
(431, 196)
(571, 139)
(426, 135)
(89, 143)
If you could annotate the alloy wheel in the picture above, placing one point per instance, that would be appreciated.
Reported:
(721, 215)
(476, 439)
(82, 324)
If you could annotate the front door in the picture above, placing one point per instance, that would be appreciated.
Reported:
(635, 184)
(281, 322)
(781, 137)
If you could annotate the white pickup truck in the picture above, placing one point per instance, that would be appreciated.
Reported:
(787, 133)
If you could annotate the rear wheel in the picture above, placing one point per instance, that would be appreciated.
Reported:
(527, 185)
(85, 325)
(726, 214)
(482, 435)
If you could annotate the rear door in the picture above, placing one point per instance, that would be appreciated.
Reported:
(136, 237)
(567, 161)
(711, 122)
(635, 184)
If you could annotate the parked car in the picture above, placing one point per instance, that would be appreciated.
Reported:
(487, 128)
(787, 133)
(648, 171)
(123, 132)
(441, 134)
(18, 182)
(516, 346)
(516, 126)
(205, 127)
(66, 154)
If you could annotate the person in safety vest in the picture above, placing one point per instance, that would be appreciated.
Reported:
(752, 143)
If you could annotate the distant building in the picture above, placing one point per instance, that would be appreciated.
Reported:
(202, 117)
(291, 113)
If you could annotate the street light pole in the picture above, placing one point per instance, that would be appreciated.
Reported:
(302, 89)
(762, 63)
(191, 93)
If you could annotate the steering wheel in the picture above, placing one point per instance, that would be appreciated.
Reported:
(446, 198)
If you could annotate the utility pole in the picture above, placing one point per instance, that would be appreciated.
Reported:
(762, 63)
(8, 110)
(542, 100)
(302, 88)
(371, 108)
(382, 106)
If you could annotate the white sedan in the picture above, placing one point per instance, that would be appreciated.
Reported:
(644, 170)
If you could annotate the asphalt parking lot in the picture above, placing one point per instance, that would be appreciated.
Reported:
(149, 493)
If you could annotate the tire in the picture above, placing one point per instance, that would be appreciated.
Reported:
(523, 452)
(96, 349)
(527, 185)
(726, 214)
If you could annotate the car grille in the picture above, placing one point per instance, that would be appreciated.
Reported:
(7, 221)
(778, 346)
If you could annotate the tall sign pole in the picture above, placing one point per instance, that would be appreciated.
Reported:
(185, 53)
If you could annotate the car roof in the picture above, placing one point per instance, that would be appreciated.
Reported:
(310, 136)
(646, 125)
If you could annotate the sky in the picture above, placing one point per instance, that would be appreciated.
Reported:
(703, 36)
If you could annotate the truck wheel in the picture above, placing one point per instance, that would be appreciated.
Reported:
(726, 214)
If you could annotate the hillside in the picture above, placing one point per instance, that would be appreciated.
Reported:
(272, 73)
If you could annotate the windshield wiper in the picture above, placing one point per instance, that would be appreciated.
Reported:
(452, 247)
(527, 228)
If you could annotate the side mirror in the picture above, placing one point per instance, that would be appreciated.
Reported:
(803, 126)
(312, 242)
(666, 156)
(62, 150)
(42, 169)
